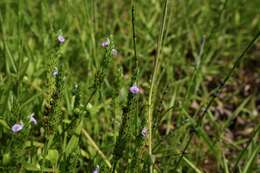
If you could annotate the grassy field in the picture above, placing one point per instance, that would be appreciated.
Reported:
(159, 86)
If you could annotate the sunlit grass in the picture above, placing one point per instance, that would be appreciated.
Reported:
(129, 86)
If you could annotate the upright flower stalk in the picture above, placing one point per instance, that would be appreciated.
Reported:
(52, 112)
(123, 136)
(154, 79)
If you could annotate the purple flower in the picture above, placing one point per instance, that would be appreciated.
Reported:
(105, 43)
(55, 72)
(17, 127)
(96, 170)
(144, 132)
(134, 89)
(32, 119)
(61, 39)
(114, 52)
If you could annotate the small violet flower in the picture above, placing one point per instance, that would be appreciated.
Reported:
(96, 170)
(134, 89)
(114, 52)
(105, 43)
(55, 72)
(17, 127)
(144, 132)
(32, 119)
(61, 39)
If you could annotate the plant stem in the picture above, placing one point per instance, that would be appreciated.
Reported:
(154, 79)
(94, 145)
(244, 150)
(135, 75)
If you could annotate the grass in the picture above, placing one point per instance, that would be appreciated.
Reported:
(195, 63)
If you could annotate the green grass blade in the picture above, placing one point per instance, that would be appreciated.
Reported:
(195, 168)
(250, 161)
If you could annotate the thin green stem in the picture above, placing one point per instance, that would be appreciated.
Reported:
(245, 149)
(114, 166)
(154, 79)
(135, 76)
(183, 152)
(93, 33)
(94, 145)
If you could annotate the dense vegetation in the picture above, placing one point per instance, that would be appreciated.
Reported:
(129, 86)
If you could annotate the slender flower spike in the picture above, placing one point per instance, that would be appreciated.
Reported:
(32, 119)
(134, 89)
(61, 39)
(96, 170)
(144, 132)
(105, 43)
(55, 72)
(17, 127)
(114, 52)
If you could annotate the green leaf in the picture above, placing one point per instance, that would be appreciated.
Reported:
(51, 137)
(52, 156)
(79, 127)
(32, 167)
(225, 162)
(206, 138)
(73, 143)
(4, 124)
(191, 165)
(251, 160)
(6, 158)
